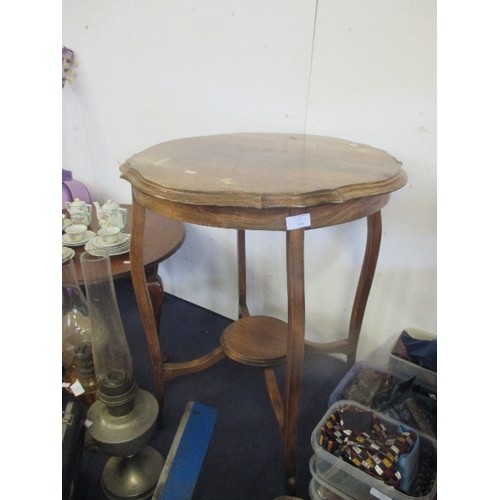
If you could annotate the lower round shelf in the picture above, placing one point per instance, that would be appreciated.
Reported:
(256, 340)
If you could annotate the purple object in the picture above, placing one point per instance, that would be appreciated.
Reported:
(71, 189)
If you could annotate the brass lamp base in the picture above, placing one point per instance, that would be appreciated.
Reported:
(132, 478)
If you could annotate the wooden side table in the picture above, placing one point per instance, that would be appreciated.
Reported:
(274, 182)
(162, 238)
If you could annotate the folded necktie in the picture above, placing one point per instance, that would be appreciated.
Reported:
(361, 439)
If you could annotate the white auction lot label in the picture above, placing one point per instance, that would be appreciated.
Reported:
(298, 221)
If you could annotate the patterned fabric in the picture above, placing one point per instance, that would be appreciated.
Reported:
(369, 385)
(426, 475)
(403, 400)
(420, 352)
(361, 439)
(416, 411)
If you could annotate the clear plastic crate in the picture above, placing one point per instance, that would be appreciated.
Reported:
(346, 479)
(319, 489)
(426, 425)
(352, 375)
(319, 492)
(407, 368)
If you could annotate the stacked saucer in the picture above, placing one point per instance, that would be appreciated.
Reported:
(100, 247)
(76, 235)
(67, 253)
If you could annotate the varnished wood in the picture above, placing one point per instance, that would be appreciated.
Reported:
(156, 292)
(173, 370)
(162, 238)
(256, 340)
(295, 352)
(271, 219)
(144, 300)
(274, 396)
(262, 170)
(242, 275)
(254, 182)
(374, 223)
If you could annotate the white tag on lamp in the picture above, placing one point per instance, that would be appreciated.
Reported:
(77, 388)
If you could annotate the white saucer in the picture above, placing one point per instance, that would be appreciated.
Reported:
(100, 243)
(86, 237)
(67, 253)
(101, 252)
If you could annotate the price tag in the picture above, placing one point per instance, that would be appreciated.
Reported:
(77, 388)
(298, 221)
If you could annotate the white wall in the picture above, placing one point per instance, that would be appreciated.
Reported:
(154, 70)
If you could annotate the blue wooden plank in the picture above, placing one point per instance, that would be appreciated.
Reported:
(185, 459)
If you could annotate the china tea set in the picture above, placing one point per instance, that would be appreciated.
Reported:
(110, 238)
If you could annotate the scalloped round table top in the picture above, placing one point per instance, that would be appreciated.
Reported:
(263, 170)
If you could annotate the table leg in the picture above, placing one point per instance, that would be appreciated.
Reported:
(156, 292)
(144, 299)
(295, 350)
(373, 238)
(242, 276)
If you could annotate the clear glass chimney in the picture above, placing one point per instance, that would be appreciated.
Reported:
(112, 359)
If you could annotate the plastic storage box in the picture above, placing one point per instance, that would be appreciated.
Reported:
(369, 379)
(318, 492)
(347, 481)
(405, 367)
(319, 489)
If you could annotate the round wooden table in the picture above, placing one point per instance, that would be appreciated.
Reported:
(162, 238)
(275, 182)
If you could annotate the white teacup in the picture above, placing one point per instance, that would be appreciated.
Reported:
(109, 234)
(76, 232)
(66, 222)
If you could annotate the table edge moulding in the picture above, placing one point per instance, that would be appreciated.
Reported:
(263, 181)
